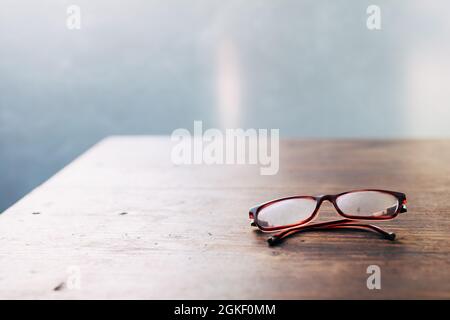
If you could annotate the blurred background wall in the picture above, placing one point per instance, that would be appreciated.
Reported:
(308, 67)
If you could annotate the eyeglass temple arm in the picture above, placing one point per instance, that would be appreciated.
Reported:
(287, 232)
(369, 227)
(344, 223)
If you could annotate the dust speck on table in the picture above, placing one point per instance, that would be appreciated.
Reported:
(60, 286)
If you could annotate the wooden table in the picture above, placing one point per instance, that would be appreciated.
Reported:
(124, 222)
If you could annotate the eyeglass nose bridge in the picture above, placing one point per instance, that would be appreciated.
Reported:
(326, 197)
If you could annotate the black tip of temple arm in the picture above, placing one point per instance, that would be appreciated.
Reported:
(273, 240)
(391, 236)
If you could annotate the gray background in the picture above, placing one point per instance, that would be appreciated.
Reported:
(310, 68)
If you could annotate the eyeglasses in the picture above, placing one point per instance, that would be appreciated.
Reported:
(292, 214)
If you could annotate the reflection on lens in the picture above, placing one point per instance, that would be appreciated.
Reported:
(286, 212)
(368, 204)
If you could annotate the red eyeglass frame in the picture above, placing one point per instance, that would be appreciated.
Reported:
(349, 222)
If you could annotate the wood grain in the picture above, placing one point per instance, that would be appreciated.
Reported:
(138, 226)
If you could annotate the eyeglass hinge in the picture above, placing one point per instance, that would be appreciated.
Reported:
(404, 208)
